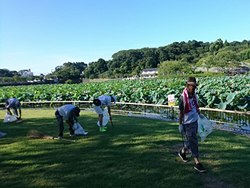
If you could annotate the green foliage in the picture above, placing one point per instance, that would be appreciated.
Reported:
(95, 69)
(69, 81)
(206, 62)
(245, 54)
(69, 71)
(215, 46)
(229, 92)
(174, 67)
(7, 73)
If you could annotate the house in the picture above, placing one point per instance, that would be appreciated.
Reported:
(27, 74)
(149, 73)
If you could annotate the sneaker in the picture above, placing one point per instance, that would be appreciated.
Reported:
(102, 129)
(183, 157)
(71, 135)
(199, 167)
(59, 137)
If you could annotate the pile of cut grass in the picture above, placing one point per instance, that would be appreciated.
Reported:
(135, 153)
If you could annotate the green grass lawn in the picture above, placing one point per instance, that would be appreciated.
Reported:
(135, 153)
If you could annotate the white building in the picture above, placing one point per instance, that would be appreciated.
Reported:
(149, 73)
(27, 74)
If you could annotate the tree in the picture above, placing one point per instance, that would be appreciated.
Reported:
(21, 72)
(226, 59)
(173, 67)
(245, 54)
(215, 46)
(5, 73)
(206, 62)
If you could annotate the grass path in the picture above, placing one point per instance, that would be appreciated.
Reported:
(135, 153)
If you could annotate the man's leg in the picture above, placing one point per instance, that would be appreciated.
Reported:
(100, 119)
(99, 112)
(191, 134)
(193, 144)
(60, 123)
(15, 111)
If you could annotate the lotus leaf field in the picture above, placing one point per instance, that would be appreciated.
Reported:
(227, 92)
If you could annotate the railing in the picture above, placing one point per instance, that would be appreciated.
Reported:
(233, 119)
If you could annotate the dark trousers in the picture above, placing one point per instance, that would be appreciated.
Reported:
(192, 140)
(59, 119)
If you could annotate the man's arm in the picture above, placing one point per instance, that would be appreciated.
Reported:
(69, 123)
(20, 112)
(181, 108)
(109, 111)
(181, 117)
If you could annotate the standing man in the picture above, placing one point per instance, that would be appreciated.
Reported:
(98, 103)
(14, 104)
(69, 113)
(189, 111)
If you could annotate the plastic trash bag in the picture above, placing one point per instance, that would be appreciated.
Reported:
(204, 127)
(9, 118)
(105, 119)
(78, 130)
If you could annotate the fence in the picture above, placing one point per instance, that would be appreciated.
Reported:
(229, 119)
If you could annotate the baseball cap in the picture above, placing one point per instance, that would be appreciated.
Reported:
(77, 111)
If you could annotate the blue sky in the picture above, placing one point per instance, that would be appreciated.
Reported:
(43, 34)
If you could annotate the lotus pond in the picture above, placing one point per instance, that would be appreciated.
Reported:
(227, 92)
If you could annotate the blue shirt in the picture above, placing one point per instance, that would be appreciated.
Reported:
(12, 103)
(105, 100)
(192, 116)
(66, 111)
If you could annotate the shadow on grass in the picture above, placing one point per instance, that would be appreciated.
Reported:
(137, 152)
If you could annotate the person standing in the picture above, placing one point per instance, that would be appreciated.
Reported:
(188, 120)
(98, 104)
(69, 113)
(14, 104)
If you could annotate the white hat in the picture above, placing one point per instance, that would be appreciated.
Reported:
(114, 97)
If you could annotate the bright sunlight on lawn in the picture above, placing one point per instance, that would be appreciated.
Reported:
(135, 153)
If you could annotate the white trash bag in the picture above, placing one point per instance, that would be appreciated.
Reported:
(204, 127)
(105, 119)
(9, 118)
(78, 130)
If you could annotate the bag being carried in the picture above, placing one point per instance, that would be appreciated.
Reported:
(204, 127)
(105, 118)
(78, 130)
(9, 118)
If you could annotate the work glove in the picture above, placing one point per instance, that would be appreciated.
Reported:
(181, 128)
